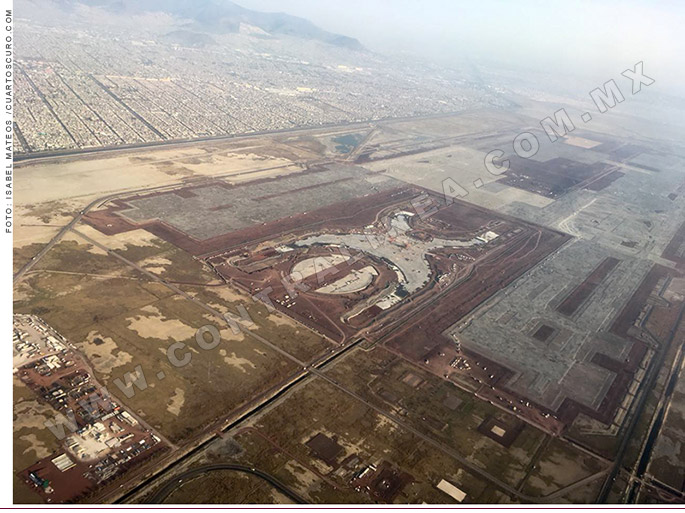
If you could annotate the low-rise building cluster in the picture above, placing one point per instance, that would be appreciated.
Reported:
(84, 89)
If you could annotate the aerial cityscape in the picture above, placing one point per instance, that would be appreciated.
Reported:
(258, 262)
(79, 86)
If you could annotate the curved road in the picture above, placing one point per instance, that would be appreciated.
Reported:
(175, 483)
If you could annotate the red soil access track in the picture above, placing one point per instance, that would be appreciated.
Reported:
(675, 251)
(583, 291)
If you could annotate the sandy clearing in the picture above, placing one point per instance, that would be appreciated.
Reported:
(227, 334)
(229, 294)
(75, 288)
(176, 401)
(40, 223)
(580, 142)
(31, 415)
(25, 235)
(97, 175)
(100, 351)
(281, 320)
(155, 265)
(155, 270)
(158, 327)
(303, 477)
(21, 291)
(73, 237)
(119, 241)
(240, 162)
(385, 423)
(237, 361)
(278, 498)
(36, 446)
(77, 178)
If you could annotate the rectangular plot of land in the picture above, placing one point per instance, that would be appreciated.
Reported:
(583, 291)
(675, 251)
(501, 432)
(605, 181)
(412, 380)
(325, 448)
(544, 333)
(214, 209)
(452, 402)
(552, 178)
(581, 142)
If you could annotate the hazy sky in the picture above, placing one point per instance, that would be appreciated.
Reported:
(597, 38)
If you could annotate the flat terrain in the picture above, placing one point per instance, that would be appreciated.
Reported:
(376, 336)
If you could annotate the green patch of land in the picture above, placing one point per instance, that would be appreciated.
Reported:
(226, 487)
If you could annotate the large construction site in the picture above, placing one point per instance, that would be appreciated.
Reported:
(394, 343)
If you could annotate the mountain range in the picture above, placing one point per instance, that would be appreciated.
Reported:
(224, 16)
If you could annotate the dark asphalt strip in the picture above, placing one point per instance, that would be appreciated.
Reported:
(173, 484)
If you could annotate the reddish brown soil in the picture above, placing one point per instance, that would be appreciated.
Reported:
(674, 251)
(552, 178)
(623, 324)
(107, 222)
(583, 291)
(325, 449)
(604, 181)
(543, 333)
(67, 485)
